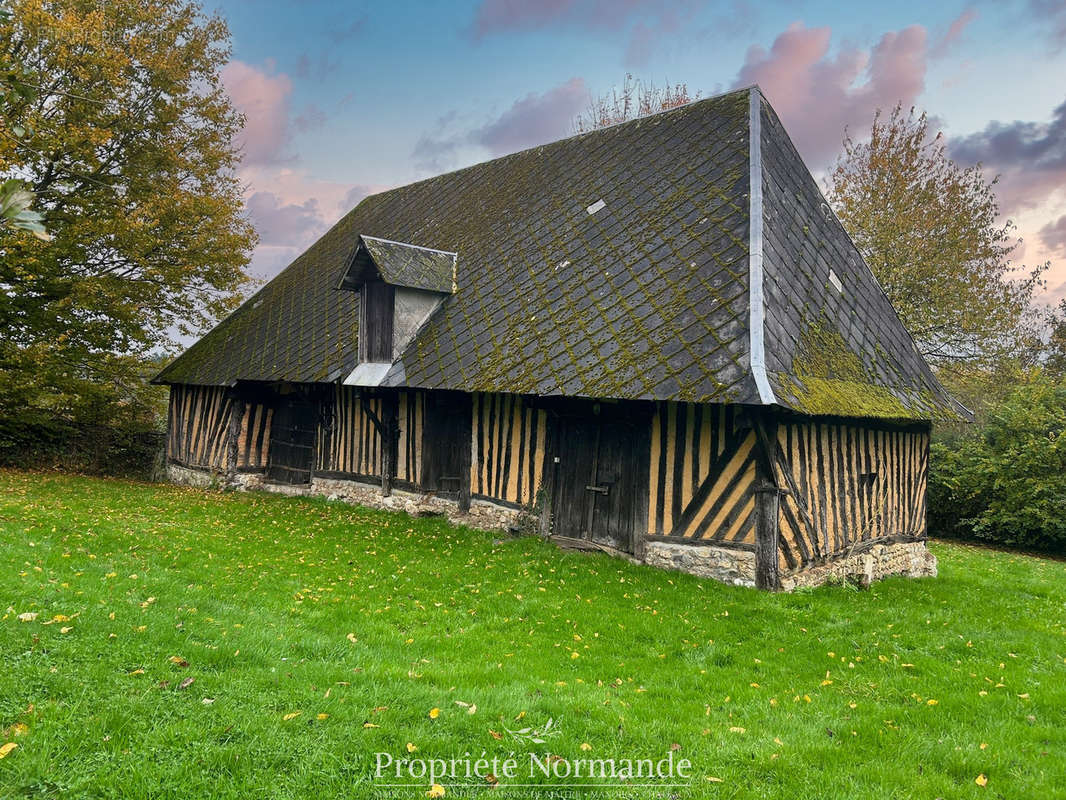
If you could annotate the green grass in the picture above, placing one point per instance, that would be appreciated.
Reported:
(909, 689)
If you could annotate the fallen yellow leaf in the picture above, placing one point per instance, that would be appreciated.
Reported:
(411, 747)
(7, 748)
(434, 713)
(436, 790)
(292, 715)
(321, 716)
(713, 779)
(370, 725)
(736, 729)
(981, 780)
(586, 746)
(351, 638)
(66, 629)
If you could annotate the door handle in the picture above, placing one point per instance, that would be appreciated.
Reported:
(599, 489)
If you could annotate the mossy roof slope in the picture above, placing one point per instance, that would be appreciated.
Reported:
(646, 297)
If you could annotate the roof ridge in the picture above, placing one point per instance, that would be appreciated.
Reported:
(595, 131)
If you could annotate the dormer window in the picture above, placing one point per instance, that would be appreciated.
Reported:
(400, 285)
(376, 312)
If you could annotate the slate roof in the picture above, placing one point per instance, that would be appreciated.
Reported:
(619, 263)
(401, 265)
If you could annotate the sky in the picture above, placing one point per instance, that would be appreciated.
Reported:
(344, 99)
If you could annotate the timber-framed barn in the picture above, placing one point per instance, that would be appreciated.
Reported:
(654, 339)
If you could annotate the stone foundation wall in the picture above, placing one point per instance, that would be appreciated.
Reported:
(728, 565)
(200, 478)
(482, 515)
(738, 566)
(707, 561)
(898, 558)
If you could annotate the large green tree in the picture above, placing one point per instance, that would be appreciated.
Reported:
(126, 139)
(931, 232)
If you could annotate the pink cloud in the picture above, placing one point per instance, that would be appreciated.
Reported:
(954, 32)
(263, 98)
(818, 95)
(290, 209)
(535, 119)
(278, 223)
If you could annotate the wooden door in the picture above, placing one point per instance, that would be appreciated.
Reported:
(292, 440)
(601, 483)
(446, 443)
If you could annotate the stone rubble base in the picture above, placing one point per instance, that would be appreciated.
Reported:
(723, 564)
(482, 515)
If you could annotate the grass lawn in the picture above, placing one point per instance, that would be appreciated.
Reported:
(309, 636)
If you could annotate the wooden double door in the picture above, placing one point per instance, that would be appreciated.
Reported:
(292, 439)
(446, 443)
(601, 476)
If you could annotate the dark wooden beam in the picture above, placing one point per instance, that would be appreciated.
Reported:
(233, 435)
(767, 502)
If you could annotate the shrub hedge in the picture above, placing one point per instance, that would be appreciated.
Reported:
(1005, 483)
(78, 447)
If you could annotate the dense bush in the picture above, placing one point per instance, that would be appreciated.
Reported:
(1006, 481)
(130, 451)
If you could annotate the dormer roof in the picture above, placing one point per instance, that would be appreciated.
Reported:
(399, 264)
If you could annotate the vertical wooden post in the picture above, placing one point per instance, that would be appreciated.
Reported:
(466, 456)
(550, 477)
(233, 436)
(767, 513)
(767, 505)
(390, 438)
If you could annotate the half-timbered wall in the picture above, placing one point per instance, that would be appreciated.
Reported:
(199, 428)
(702, 474)
(253, 444)
(848, 484)
(348, 441)
(507, 448)
(199, 420)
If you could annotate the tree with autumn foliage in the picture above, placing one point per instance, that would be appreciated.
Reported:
(125, 138)
(931, 233)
